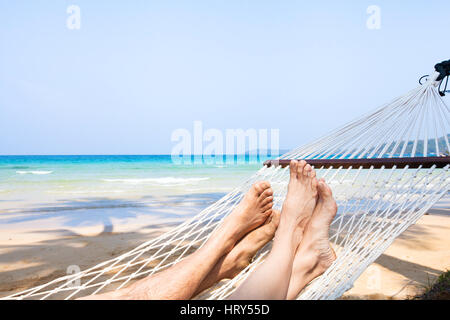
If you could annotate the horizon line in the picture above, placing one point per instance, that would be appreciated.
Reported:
(137, 154)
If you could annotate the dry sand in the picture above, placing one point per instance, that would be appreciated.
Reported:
(412, 262)
(29, 257)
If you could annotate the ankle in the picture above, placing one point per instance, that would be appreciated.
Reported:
(309, 257)
(220, 242)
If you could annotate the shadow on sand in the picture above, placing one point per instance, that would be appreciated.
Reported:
(28, 265)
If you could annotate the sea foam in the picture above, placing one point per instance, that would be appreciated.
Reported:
(33, 172)
(159, 181)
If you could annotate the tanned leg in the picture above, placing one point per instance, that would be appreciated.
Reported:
(271, 279)
(183, 279)
(241, 255)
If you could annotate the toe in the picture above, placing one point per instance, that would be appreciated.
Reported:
(273, 222)
(266, 193)
(293, 168)
(268, 214)
(261, 186)
(307, 170)
(275, 217)
(312, 173)
(300, 168)
(267, 207)
(324, 190)
(266, 200)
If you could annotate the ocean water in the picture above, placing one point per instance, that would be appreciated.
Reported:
(78, 188)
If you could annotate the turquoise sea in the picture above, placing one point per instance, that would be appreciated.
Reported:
(83, 190)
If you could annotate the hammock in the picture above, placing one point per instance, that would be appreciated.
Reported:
(386, 169)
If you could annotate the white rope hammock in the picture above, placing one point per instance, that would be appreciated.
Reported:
(376, 202)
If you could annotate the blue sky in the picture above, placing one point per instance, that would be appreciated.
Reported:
(138, 70)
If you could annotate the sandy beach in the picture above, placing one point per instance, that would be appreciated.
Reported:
(35, 251)
(31, 254)
(412, 262)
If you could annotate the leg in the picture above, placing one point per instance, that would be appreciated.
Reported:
(240, 256)
(183, 279)
(314, 254)
(271, 279)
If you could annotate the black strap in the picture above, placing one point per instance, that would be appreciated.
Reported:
(444, 72)
(443, 68)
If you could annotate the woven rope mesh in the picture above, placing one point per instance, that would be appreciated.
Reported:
(374, 205)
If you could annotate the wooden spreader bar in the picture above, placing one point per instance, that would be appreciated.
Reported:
(376, 163)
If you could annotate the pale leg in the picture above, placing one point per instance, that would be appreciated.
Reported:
(271, 279)
(314, 255)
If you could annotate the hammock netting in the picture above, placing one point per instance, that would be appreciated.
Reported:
(376, 201)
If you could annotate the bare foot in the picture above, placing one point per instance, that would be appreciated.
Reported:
(243, 252)
(251, 212)
(301, 196)
(319, 226)
(314, 255)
